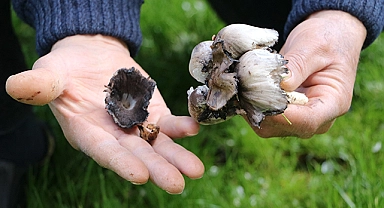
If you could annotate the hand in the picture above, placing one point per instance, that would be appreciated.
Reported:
(71, 79)
(323, 53)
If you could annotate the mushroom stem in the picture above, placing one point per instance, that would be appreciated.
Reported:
(296, 98)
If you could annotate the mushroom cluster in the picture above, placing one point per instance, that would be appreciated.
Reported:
(241, 76)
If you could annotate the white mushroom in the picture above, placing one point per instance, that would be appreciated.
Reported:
(200, 63)
(260, 73)
(228, 45)
(297, 98)
(236, 39)
(242, 76)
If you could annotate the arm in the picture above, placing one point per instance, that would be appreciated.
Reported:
(71, 79)
(323, 49)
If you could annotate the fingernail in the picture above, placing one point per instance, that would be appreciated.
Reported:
(137, 183)
(191, 126)
(191, 134)
(287, 75)
(197, 178)
(175, 193)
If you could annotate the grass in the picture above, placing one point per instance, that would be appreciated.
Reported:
(342, 168)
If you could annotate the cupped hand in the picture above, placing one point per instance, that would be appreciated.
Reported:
(323, 53)
(71, 80)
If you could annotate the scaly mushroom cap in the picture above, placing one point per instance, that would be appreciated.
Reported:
(221, 80)
(240, 38)
(260, 73)
(228, 45)
(222, 85)
(128, 95)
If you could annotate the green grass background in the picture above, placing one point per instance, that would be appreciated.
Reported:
(342, 168)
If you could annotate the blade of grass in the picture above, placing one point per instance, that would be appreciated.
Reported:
(344, 195)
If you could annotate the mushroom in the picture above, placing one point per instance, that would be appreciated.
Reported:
(200, 64)
(127, 100)
(260, 72)
(228, 45)
(296, 98)
(242, 76)
(198, 108)
(221, 80)
(236, 39)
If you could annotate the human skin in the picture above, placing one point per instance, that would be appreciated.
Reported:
(323, 53)
(71, 80)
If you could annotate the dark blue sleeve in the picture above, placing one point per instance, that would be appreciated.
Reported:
(57, 19)
(369, 12)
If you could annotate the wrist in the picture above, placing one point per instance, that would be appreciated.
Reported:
(108, 42)
(96, 52)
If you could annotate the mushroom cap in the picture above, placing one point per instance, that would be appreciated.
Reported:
(221, 80)
(260, 72)
(128, 96)
(200, 111)
(240, 38)
(200, 63)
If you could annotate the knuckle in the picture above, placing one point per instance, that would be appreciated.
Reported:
(308, 131)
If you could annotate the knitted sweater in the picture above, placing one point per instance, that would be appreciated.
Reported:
(56, 19)
(369, 12)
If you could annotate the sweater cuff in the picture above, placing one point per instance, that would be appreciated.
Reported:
(57, 19)
(369, 12)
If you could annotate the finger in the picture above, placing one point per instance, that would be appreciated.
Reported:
(35, 87)
(275, 127)
(161, 172)
(105, 149)
(302, 62)
(178, 126)
(184, 160)
(300, 67)
(316, 117)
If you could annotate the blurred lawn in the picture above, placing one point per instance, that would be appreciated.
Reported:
(342, 168)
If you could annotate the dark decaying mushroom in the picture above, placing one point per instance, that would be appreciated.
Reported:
(127, 100)
(198, 108)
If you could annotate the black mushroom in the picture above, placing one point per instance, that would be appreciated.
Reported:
(127, 100)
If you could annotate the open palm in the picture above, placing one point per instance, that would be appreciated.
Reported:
(71, 79)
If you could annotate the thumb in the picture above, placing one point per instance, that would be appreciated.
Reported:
(301, 65)
(35, 87)
(178, 126)
(307, 51)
